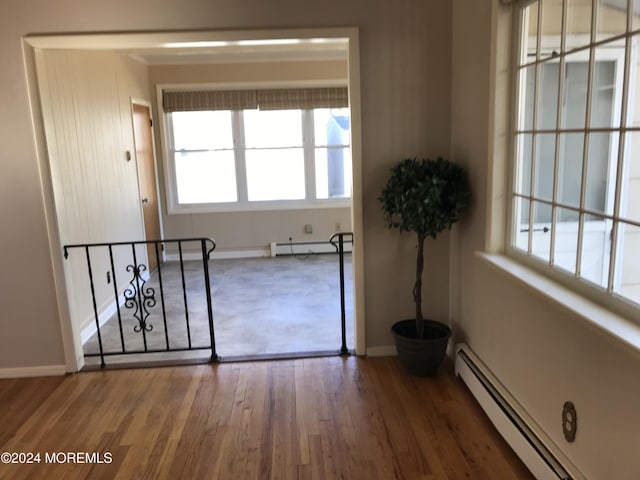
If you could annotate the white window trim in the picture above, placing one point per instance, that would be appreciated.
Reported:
(617, 315)
(173, 207)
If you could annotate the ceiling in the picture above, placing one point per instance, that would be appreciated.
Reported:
(179, 53)
(175, 48)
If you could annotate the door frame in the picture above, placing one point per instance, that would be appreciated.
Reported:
(70, 337)
(147, 104)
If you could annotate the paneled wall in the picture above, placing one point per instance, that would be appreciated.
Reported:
(86, 103)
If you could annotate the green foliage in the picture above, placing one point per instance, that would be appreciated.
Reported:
(424, 196)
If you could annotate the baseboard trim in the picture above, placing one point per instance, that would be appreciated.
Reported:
(272, 250)
(229, 254)
(220, 255)
(304, 248)
(38, 371)
(382, 351)
(105, 314)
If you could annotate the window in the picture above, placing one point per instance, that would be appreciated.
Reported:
(203, 156)
(274, 155)
(238, 158)
(576, 186)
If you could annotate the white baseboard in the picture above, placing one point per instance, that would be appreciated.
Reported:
(103, 316)
(38, 371)
(383, 351)
(220, 254)
(304, 248)
(271, 250)
(253, 253)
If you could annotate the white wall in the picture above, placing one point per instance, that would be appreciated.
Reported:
(405, 93)
(543, 354)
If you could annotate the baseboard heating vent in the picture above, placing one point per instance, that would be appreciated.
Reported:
(304, 248)
(535, 449)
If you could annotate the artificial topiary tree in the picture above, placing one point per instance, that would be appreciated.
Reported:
(425, 197)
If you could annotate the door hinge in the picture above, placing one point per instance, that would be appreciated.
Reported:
(151, 123)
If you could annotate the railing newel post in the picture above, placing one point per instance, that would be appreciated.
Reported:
(206, 254)
(339, 246)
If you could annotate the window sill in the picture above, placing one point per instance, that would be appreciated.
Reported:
(597, 316)
(259, 206)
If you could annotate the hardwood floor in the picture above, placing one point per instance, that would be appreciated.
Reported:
(322, 418)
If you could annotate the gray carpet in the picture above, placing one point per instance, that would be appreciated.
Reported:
(264, 306)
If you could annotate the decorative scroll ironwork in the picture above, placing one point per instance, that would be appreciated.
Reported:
(141, 298)
(136, 296)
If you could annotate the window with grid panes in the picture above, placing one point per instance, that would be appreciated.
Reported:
(576, 185)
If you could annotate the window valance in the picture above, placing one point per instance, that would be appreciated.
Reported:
(267, 99)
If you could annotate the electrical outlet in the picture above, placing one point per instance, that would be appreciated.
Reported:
(338, 227)
(569, 421)
(108, 278)
(308, 228)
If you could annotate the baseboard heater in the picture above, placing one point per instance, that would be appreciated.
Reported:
(535, 449)
(305, 248)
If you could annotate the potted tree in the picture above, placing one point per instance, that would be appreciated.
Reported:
(425, 197)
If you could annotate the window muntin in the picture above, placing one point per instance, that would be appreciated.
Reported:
(576, 187)
(249, 157)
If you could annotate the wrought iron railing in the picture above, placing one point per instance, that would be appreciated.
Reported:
(149, 307)
(144, 299)
(338, 240)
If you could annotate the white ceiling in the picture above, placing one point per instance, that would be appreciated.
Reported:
(179, 53)
(162, 48)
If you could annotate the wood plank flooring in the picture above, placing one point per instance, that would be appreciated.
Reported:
(322, 418)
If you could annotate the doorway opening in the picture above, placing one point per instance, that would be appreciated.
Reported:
(147, 176)
(89, 215)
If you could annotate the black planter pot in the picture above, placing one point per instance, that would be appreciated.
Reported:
(421, 357)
